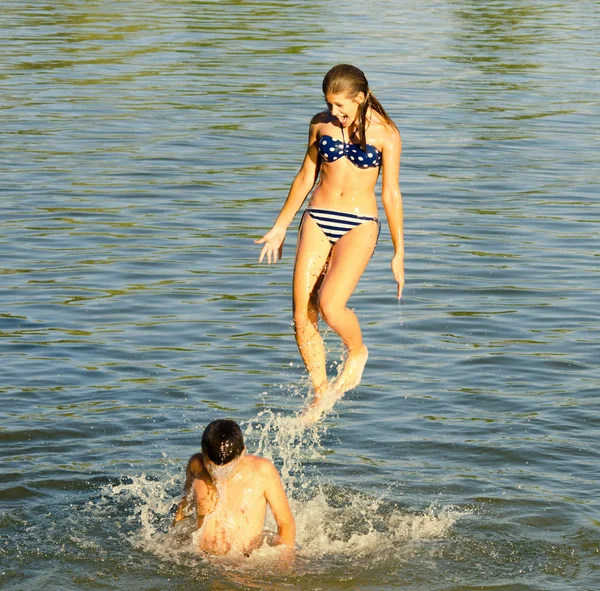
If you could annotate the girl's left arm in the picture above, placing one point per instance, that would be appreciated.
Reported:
(392, 201)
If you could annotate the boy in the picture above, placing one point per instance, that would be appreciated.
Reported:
(231, 491)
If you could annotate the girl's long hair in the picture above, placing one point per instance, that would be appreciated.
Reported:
(349, 80)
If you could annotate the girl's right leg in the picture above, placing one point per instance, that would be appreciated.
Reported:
(311, 259)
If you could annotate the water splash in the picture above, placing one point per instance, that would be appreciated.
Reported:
(351, 524)
(291, 441)
(288, 441)
(333, 523)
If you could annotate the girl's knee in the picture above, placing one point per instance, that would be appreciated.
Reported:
(302, 318)
(330, 310)
(304, 312)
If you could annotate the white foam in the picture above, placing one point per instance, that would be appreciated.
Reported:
(334, 522)
(361, 525)
(331, 521)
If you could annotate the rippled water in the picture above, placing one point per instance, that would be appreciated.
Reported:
(146, 144)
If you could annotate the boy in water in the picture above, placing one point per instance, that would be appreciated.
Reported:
(231, 491)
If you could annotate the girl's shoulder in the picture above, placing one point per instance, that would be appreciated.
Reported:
(322, 118)
(383, 134)
(379, 122)
(392, 132)
(321, 124)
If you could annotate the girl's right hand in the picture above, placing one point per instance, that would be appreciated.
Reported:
(273, 244)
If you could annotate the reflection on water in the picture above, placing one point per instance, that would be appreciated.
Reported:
(146, 145)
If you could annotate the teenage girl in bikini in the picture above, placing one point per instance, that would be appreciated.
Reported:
(347, 146)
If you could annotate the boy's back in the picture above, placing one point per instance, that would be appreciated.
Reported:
(232, 490)
(231, 510)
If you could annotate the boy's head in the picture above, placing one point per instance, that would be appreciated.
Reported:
(222, 441)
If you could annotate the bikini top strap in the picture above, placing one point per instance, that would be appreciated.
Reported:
(350, 138)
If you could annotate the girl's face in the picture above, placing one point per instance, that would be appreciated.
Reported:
(344, 109)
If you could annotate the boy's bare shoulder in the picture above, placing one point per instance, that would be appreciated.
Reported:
(196, 466)
(260, 465)
(263, 469)
(201, 482)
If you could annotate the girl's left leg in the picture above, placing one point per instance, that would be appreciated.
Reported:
(349, 259)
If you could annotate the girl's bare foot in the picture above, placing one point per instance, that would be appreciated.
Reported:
(353, 370)
(323, 401)
(320, 394)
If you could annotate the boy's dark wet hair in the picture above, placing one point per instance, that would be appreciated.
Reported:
(222, 441)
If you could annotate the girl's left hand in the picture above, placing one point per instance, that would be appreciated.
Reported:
(398, 271)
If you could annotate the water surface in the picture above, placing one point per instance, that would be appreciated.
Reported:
(146, 145)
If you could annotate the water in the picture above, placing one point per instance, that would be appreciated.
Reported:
(145, 145)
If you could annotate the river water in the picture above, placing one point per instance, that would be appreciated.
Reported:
(145, 145)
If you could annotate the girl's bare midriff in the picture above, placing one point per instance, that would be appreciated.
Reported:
(345, 187)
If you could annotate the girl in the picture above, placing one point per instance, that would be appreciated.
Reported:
(347, 145)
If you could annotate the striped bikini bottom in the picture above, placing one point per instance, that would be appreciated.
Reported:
(335, 224)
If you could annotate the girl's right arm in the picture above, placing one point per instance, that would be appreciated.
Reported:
(301, 187)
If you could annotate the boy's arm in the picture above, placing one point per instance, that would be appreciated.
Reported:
(277, 499)
(193, 470)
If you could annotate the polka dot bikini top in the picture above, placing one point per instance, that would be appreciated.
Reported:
(331, 150)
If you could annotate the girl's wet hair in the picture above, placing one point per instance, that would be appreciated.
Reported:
(350, 81)
(222, 441)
